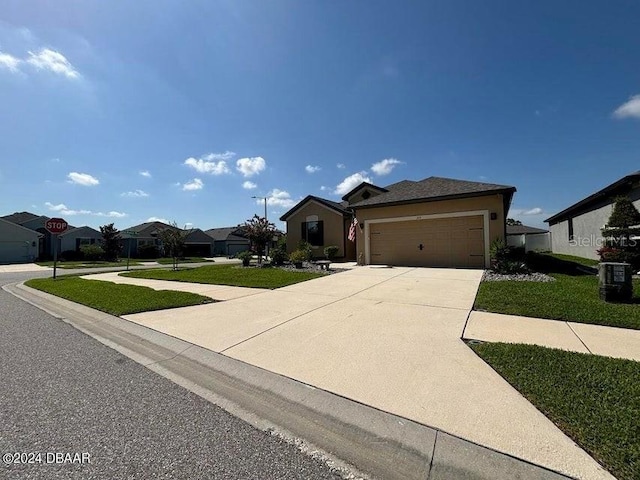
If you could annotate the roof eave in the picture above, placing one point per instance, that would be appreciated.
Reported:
(510, 191)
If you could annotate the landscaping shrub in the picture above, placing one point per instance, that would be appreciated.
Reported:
(279, 255)
(298, 256)
(245, 257)
(331, 252)
(92, 253)
(504, 260)
(306, 248)
(70, 255)
(148, 251)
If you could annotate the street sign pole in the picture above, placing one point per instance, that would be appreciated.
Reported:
(55, 254)
(55, 226)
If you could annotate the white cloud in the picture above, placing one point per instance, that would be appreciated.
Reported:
(9, 62)
(533, 211)
(158, 219)
(211, 157)
(212, 167)
(516, 212)
(251, 166)
(630, 109)
(351, 182)
(82, 179)
(195, 184)
(249, 185)
(278, 198)
(384, 167)
(323, 188)
(312, 168)
(341, 166)
(135, 194)
(62, 209)
(47, 59)
(145, 173)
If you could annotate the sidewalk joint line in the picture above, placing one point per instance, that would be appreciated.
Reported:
(578, 336)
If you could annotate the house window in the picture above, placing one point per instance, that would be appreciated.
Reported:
(313, 232)
(570, 223)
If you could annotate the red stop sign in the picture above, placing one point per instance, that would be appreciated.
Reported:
(56, 225)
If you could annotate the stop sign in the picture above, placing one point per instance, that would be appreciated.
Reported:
(56, 225)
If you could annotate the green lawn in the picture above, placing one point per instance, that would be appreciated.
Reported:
(113, 298)
(588, 262)
(169, 261)
(573, 298)
(229, 275)
(595, 400)
(88, 264)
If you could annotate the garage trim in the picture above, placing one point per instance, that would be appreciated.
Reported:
(473, 213)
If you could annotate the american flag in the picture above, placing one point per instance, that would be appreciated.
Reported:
(352, 230)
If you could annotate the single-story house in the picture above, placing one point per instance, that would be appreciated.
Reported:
(435, 222)
(71, 239)
(75, 237)
(145, 234)
(576, 230)
(228, 241)
(197, 242)
(18, 244)
(529, 238)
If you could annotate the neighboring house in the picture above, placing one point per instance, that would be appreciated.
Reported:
(75, 237)
(18, 244)
(141, 235)
(436, 222)
(228, 241)
(576, 230)
(529, 238)
(198, 244)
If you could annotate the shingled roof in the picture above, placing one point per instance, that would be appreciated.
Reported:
(523, 230)
(20, 217)
(224, 233)
(431, 188)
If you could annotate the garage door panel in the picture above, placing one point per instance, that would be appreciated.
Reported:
(446, 242)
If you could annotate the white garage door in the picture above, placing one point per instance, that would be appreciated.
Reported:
(14, 252)
(442, 242)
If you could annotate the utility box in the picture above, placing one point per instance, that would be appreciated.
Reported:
(616, 284)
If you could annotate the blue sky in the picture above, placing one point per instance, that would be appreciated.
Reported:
(124, 111)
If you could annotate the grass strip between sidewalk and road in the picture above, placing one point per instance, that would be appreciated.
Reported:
(569, 298)
(594, 400)
(229, 275)
(113, 298)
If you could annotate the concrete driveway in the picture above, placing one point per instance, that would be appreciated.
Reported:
(389, 338)
(22, 267)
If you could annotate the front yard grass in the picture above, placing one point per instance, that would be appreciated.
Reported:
(116, 299)
(79, 264)
(570, 298)
(594, 400)
(229, 275)
(169, 261)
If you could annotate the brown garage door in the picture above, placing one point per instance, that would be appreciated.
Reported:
(442, 242)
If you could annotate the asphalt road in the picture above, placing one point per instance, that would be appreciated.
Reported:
(62, 392)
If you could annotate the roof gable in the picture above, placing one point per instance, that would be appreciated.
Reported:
(21, 228)
(331, 205)
(148, 229)
(223, 233)
(84, 230)
(362, 186)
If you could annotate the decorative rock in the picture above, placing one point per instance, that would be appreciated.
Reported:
(490, 276)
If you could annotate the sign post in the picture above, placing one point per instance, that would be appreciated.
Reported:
(132, 234)
(55, 226)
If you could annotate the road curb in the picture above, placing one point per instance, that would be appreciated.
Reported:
(377, 443)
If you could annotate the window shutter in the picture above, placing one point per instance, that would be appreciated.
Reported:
(303, 232)
(320, 232)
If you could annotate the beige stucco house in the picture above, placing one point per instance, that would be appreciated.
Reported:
(439, 222)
